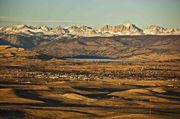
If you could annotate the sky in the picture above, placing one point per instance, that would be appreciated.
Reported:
(94, 13)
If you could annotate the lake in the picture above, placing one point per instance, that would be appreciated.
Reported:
(104, 60)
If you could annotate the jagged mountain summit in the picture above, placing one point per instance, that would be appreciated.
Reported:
(124, 29)
(82, 31)
(86, 31)
(157, 30)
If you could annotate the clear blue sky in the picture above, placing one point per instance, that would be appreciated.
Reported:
(95, 13)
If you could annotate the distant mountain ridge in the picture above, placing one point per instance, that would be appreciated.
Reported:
(86, 31)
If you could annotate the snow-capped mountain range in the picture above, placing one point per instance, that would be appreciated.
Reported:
(85, 31)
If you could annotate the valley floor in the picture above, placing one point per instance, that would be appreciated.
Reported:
(62, 89)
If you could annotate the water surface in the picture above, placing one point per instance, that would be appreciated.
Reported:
(104, 60)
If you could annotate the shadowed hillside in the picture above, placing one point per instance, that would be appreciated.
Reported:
(135, 47)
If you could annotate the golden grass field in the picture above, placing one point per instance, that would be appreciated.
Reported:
(63, 89)
(94, 99)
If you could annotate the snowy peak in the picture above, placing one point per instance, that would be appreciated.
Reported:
(158, 30)
(44, 28)
(15, 29)
(153, 29)
(22, 26)
(82, 31)
(60, 30)
(124, 29)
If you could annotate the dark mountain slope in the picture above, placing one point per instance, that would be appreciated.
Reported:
(112, 47)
